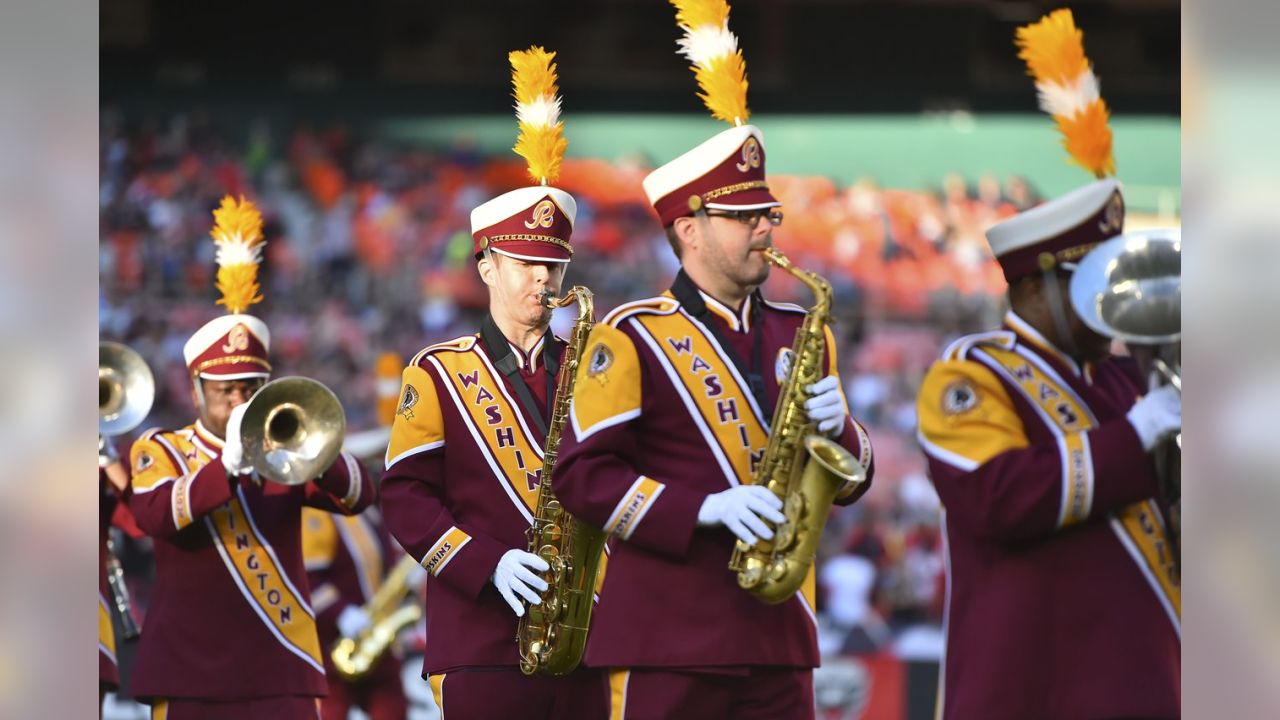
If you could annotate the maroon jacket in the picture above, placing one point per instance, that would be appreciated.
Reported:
(461, 485)
(1062, 598)
(229, 616)
(347, 558)
(660, 420)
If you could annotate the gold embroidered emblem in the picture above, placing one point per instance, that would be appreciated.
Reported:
(544, 214)
(959, 397)
(407, 400)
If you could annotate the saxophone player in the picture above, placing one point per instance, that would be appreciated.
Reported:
(229, 632)
(466, 449)
(669, 419)
(1062, 598)
(347, 557)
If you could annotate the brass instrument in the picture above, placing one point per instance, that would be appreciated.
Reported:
(353, 658)
(553, 635)
(126, 391)
(803, 468)
(1130, 288)
(292, 430)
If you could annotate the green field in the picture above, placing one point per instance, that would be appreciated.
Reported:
(903, 151)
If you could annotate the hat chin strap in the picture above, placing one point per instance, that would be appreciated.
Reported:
(1059, 313)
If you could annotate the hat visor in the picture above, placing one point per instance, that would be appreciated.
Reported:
(235, 371)
(753, 199)
(532, 251)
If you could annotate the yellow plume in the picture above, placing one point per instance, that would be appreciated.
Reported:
(541, 140)
(718, 64)
(237, 231)
(1053, 49)
(696, 13)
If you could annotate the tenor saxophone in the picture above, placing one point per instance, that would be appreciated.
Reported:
(353, 658)
(803, 468)
(553, 635)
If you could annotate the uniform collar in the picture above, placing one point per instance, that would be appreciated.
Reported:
(1032, 337)
(528, 361)
(207, 437)
(738, 320)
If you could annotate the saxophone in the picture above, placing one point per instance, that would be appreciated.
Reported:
(552, 636)
(354, 657)
(803, 468)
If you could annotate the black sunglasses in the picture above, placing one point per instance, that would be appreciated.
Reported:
(750, 218)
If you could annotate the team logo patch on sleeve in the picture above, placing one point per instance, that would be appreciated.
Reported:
(782, 366)
(407, 400)
(959, 397)
(601, 359)
(143, 462)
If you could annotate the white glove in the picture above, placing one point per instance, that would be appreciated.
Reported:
(232, 451)
(514, 576)
(1156, 415)
(740, 509)
(826, 407)
(416, 576)
(352, 621)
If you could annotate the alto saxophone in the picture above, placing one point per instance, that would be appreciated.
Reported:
(553, 635)
(803, 468)
(353, 658)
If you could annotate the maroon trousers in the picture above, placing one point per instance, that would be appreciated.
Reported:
(487, 693)
(285, 707)
(754, 694)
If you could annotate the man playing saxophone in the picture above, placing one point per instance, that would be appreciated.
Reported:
(467, 443)
(670, 418)
(229, 632)
(347, 558)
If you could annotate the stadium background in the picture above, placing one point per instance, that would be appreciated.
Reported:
(896, 133)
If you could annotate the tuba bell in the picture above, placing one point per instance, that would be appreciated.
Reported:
(1130, 288)
(126, 389)
(292, 430)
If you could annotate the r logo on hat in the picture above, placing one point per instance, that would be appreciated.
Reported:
(544, 215)
(750, 155)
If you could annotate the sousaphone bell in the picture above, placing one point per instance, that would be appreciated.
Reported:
(292, 430)
(126, 389)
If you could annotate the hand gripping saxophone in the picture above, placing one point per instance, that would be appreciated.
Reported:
(353, 658)
(803, 468)
(553, 635)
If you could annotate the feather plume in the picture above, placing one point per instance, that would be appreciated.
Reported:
(717, 61)
(237, 231)
(1053, 49)
(541, 140)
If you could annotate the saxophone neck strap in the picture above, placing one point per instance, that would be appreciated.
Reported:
(495, 343)
(687, 294)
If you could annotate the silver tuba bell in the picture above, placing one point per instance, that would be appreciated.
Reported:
(292, 430)
(126, 389)
(1130, 288)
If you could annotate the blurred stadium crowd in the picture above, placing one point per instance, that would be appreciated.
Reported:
(369, 251)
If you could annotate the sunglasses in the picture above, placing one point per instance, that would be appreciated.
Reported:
(750, 218)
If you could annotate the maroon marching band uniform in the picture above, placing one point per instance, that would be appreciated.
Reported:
(660, 420)
(229, 619)
(1062, 599)
(346, 560)
(459, 491)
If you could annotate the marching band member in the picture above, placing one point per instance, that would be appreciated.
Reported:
(229, 632)
(113, 486)
(1063, 599)
(670, 415)
(346, 559)
(467, 442)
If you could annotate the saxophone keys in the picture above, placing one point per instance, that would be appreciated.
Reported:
(752, 573)
(784, 537)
